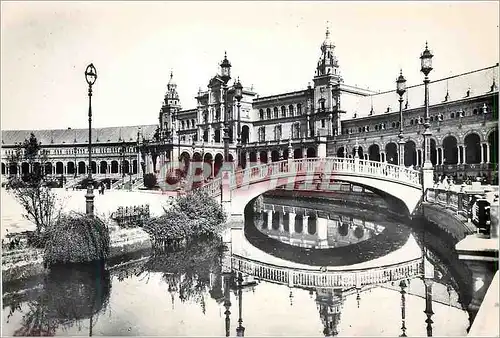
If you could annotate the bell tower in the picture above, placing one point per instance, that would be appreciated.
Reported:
(171, 106)
(327, 82)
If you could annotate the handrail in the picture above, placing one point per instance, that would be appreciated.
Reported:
(322, 277)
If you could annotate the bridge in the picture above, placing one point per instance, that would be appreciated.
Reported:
(239, 188)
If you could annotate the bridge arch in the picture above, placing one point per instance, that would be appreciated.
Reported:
(395, 183)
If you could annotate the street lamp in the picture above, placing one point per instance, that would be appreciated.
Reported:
(75, 166)
(122, 151)
(401, 89)
(426, 67)
(225, 67)
(90, 77)
(238, 94)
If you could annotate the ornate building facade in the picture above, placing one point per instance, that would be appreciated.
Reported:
(327, 118)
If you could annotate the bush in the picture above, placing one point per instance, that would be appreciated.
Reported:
(150, 181)
(77, 238)
(192, 216)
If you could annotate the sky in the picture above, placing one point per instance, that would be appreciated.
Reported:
(273, 46)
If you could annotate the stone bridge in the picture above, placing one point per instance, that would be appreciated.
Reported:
(239, 188)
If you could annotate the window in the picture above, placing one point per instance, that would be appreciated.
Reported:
(182, 125)
(299, 109)
(262, 134)
(452, 115)
(268, 113)
(290, 110)
(296, 130)
(359, 130)
(277, 133)
(323, 124)
(283, 111)
(376, 127)
(393, 124)
(275, 110)
(261, 114)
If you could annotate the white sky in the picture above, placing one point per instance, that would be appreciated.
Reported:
(272, 45)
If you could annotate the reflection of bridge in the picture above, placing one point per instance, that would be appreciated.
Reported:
(327, 278)
(386, 179)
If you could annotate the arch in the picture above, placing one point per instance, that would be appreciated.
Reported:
(450, 155)
(360, 152)
(283, 111)
(59, 168)
(71, 168)
(311, 152)
(410, 153)
(242, 162)
(103, 167)
(261, 114)
(312, 223)
(359, 232)
(253, 158)
(263, 157)
(268, 113)
(184, 158)
(13, 169)
(245, 134)
(48, 168)
(93, 165)
(25, 168)
(126, 166)
(82, 169)
(4, 169)
(290, 110)
(493, 142)
(114, 167)
(299, 223)
(391, 153)
(275, 156)
(374, 152)
(297, 153)
(341, 152)
(343, 229)
(275, 220)
(134, 167)
(472, 144)
(219, 159)
(275, 112)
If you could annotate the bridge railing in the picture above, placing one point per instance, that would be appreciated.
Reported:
(315, 278)
(324, 166)
(459, 201)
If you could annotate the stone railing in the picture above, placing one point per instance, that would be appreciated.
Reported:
(459, 201)
(322, 277)
(324, 167)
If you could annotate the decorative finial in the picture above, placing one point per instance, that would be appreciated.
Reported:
(447, 93)
(401, 71)
(225, 54)
(171, 73)
(426, 45)
(327, 29)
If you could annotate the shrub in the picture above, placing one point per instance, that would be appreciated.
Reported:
(192, 216)
(77, 238)
(150, 181)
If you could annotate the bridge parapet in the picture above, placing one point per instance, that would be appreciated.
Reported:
(322, 277)
(324, 167)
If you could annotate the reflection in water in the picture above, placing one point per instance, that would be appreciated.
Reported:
(66, 296)
(310, 228)
(317, 237)
(198, 278)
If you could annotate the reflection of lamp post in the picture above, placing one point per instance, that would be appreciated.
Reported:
(227, 302)
(401, 89)
(240, 330)
(402, 285)
(90, 77)
(238, 94)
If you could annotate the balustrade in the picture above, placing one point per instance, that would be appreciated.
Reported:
(315, 278)
(459, 201)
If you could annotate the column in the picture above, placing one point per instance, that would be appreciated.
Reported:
(247, 159)
(291, 227)
(269, 159)
(487, 153)
(464, 161)
(382, 156)
(269, 219)
(322, 231)
(281, 222)
(482, 152)
(304, 152)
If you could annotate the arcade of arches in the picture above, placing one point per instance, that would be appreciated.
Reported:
(472, 150)
(72, 168)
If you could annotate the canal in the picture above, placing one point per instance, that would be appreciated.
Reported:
(295, 269)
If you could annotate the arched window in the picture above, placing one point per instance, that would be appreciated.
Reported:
(275, 110)
(283, 111)
(261, 114)
(268, 113)
(299, 109)
(393, 124)
(452, 115)
(359, 130)
(290, 110)
(182, 124)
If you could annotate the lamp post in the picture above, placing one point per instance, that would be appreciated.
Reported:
(122, 153)
(401, 89)
(238, 94)
(426, 67)
(226, 76)
(90, 77)
(75, 167)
